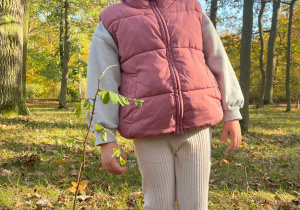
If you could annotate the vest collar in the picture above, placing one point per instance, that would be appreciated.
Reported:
(146, 3)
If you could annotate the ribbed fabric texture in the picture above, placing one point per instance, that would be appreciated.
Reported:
(175, 168)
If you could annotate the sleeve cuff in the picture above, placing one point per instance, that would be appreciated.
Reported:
(110, 137)
(233, 114)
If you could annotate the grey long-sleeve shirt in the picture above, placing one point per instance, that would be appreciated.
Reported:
(104, 52)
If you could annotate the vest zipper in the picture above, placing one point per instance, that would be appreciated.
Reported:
(174, 73)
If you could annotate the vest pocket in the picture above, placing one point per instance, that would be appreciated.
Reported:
(213, 81)
(130, 91)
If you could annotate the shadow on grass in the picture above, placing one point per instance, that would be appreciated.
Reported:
(259, 164)
(47, 164)
(32, 124)
(267, 161)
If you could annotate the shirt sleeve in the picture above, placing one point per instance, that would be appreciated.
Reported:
(103, 53)
(218, 62)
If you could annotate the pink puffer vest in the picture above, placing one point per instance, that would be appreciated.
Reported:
(160, 47)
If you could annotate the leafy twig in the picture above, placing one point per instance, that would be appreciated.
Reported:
(106, 96)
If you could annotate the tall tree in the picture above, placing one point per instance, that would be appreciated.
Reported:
(213, 12)
(12, 100)
(25, 41)
(288, 58)
(271, 58)
(65, 70)
(245, 60)
(61, 35)
(261, 55)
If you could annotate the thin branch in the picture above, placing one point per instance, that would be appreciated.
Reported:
(84, 148)
(268, 31)
(86, 137)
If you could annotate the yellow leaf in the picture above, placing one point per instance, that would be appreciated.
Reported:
(72, 189)
(82, 186)
(225, 161)
(60, 161)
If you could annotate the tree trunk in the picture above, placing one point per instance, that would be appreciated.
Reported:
(25, 41)
(79, 73)
(288, 59)
(65, 70)
(245, 60)
(61, 36)
(261, 56)
(213, 12)
(12, 101)
(268, 98)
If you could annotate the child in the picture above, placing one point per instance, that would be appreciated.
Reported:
(170, 56)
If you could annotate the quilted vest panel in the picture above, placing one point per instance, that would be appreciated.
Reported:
(162, 63)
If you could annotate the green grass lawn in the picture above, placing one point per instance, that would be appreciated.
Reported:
(41, 154)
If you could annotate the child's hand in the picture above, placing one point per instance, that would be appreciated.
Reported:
(234, 130)
(109, 163)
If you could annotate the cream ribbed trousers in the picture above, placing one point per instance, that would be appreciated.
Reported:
(175, 168)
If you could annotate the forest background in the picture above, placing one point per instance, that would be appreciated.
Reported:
(44, 47)
(44, 39)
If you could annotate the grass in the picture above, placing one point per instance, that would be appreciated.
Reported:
(41, 154)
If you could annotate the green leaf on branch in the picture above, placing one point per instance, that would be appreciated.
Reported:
(88, 108)
(123, 101)
(114, 98)
(117, 152)
(105, 97)
(91, 106)
(103, 135)
(98, 127)
(122, 161)
(99, 92)
(139, 103)
(78, 109)
(86, 102)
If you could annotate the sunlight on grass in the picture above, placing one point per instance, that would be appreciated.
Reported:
(41, 154)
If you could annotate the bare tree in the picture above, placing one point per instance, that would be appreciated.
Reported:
(61, 34)
(261, 55)
(288, 59)
(65, 70)
(25, 40)
(245, 60)
(271, 60)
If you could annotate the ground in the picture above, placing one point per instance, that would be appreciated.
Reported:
(41, 155)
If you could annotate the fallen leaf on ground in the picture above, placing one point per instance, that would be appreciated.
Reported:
(84, 197)
(43, 203)
(82, 186)
(5, 172)
(131, 163)
(131, 200)
(136, 194)
(19, 205)
(277, 197)
(74, 172)
(30, 161)
(238, 164)
(98, 196)
(28, 202)
(212, 180)
(225, 161)
(60, 161)
(36, 195)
